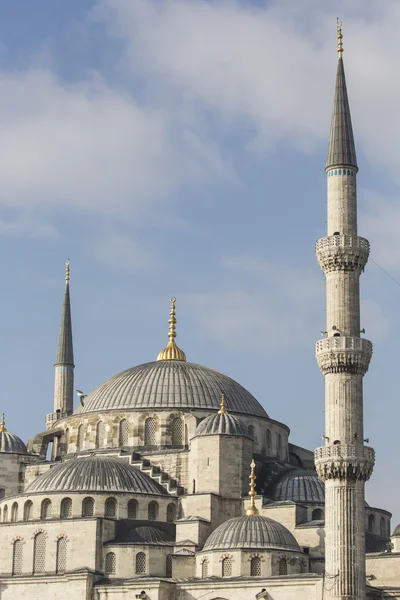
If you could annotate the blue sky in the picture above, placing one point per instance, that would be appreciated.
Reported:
(178, 148)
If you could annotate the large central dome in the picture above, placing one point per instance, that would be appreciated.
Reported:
(173, 385)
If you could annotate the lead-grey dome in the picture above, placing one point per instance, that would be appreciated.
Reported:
(95, 474)
(252, 531)
(170, 384)
(11, 443)
(221, 424)
(298, 485)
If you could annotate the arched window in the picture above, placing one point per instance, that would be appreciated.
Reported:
(282, 564)
(61, 558)
(371, 523)
(5, 514)
(110, 507)
(66, 508)
(80, 436)
(88, 507)
(66, 440)
(227, 567)
(28, 510)
(150, 432)
(18, 555)
(171, 513)
(317, 514)
(123, 433)
(140, 562)
(382, 526)
(14, 512)
(45, 510)
(39, 553)
(2, 493)
(268, 441)
(111, 563)
(132, 509)
(279, 445)
(204, 568)
(100, 433)
(153, 511)
(255, 566)
(177, 432)
(250, 430)
(168, 565)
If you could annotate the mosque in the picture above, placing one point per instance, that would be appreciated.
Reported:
(142, 491)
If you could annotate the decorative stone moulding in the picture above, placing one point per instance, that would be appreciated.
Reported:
(342, 253)
(344, 461)
(343, 354)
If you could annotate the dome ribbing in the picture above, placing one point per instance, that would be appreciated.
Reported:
(221, 424)
(298, 485)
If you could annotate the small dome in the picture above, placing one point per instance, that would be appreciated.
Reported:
(11, 443)
(221, 423)
(251, 532)
(95, 474)
(396, 531)
(297, 485)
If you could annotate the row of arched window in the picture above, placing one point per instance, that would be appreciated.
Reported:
(88, 510)
(150, 428)
(383, 530)
(110, 565)
(255, 567)
(39, 555)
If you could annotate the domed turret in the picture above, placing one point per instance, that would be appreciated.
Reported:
(297, 485)
(9, 442)
(221, 423)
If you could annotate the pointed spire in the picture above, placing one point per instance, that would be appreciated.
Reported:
(341, 150)
(252, 510)
(65, 351)
(171, 351)
(222, 410)
(3, 424)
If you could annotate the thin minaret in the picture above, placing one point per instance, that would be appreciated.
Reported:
(64, 365)
(344, 463)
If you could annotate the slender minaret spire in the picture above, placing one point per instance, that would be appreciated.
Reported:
(344, 463)
(64, 365)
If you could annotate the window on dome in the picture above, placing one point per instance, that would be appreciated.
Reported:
(150, 432)
(66, 508)
(123, 433)
(171, 513)
(227, 567)
(371, 523)
(61, 557)
(18, 555)
(5, 514)
(279, 445)
(28, 510)
(100, 434)
(268, 441)
(153, 511)
(140, 563)
(2, 493)
(204, 568)
(177, 432)
(255, 567)
(382, 526)
(45, 511)
(132, 509)
(110, 507)
(282, 566)
(39, 553)
(80, 438)
(168, 565)
(88, 507)
(250, 430)
(14, 512)
(110, 563)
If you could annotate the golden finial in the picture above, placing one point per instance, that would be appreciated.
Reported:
(3, 424)
(339, 37)
(252, 510)
(171, 351)
(68, 262)
(222, 410)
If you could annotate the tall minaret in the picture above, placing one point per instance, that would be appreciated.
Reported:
(64, 365)
(344, 463)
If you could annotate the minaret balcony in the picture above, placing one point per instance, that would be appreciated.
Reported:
(344, 461)
(343, 354)
(342, 253)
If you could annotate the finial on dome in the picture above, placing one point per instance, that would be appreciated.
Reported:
(68, 262)
(252, 510)
(222, 410)
(3, 424)
(171, 351)
(339, 37)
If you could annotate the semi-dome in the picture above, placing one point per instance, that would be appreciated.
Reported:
(298, 485)
(95, 474)
(251, 532)
(9, 442)
(222, 423)
(173, 385)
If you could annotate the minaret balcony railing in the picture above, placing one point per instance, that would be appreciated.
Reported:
(342, 253)
(343, 354)
(344, 461)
